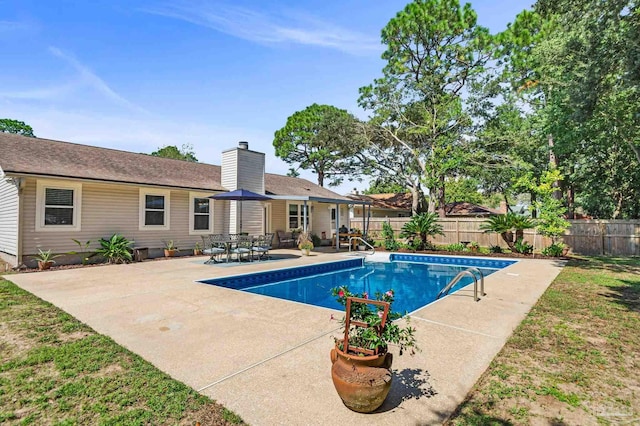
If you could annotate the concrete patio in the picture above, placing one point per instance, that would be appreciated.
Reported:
(268, 359)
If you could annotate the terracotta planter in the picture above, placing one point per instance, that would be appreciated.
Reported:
(43, 266)
(363, 382)
(169, 253)
(197, 252)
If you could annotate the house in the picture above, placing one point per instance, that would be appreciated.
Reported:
(53, 192)
(399, 205)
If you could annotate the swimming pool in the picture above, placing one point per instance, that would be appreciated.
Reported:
(415, 279)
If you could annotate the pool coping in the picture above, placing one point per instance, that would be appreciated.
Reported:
(267, 359)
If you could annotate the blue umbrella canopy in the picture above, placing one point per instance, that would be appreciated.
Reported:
(240, 195)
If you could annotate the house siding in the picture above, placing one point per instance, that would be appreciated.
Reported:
(108, 209)
(322, 218)
(9, 209)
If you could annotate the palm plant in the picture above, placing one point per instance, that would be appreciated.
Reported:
(506, 225)
(423, 225)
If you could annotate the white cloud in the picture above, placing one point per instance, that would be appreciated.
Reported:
(88, 77)
(269, 29)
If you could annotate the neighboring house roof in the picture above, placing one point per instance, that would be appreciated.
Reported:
(468, 209)
(389, 201)
(44, 157)
(403, 201)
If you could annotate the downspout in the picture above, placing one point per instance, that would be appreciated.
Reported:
(20, 184)
(337, 227)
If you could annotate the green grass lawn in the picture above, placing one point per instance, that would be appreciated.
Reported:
(56, 370)
(574, 360)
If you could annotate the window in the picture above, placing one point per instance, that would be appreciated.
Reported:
(200, 214)
(58, 206)
(154, 209)
(296, 215)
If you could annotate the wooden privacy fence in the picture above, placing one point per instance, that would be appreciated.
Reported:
(589, 237)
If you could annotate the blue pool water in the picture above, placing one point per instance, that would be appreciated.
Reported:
(415, 279)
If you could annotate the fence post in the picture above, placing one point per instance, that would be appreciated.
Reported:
(457, 230)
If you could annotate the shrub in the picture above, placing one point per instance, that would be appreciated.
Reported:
(495, 249)
(522, 247)
(116, 249)
(554, 250)
(316, 240)
(455, 247)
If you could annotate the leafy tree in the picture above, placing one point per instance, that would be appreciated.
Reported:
(320, 138)
(434, 49)
(382, 186)
(171, 151)
(463, 189)
(423, 225)
(551, 222)
(8, 125)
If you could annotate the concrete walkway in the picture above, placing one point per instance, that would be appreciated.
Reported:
(268, 359)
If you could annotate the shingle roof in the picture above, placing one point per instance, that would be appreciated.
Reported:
(45, 157)
(391, 201)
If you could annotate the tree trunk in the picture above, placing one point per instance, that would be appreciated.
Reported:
(553, 160)
(441, 200)
(415, 200)
(320, 177)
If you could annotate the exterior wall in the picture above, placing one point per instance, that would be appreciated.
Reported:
(9, 208)
(108, 209)
(322, 218)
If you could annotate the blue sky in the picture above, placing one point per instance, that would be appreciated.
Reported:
(138, 75)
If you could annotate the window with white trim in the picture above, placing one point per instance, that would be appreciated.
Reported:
(154, 209)
(295, 215)
(200, 214)
(58, 205)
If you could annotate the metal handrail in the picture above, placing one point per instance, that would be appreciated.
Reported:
(470, 272)
(363, 240)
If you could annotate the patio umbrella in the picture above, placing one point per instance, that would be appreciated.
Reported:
(240, 195)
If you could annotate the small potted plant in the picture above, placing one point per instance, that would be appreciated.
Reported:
(45, 259)
(197, 249)
(361, 370)
(306, 247)
(474, 246)
(170, 248)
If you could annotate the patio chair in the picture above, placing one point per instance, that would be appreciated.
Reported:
(243, 245)
(262, 245)
(214, 247)
(285, 238)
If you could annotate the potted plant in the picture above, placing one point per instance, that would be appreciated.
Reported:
(170, 248)
(45, 259)
(304, 243)
(361, 370)
(474, 246)
(306, 247)
(197, 249)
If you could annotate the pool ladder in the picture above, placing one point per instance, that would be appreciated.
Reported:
(472, 272)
